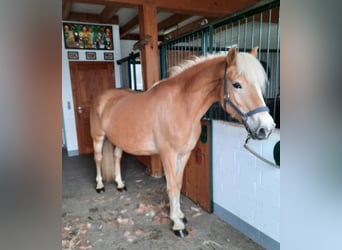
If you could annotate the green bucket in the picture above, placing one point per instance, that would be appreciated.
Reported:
(276, 153)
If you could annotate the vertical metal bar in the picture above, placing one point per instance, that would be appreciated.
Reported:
(211, 39)
(204, 43)
(220, 37)
(225, 37)
(252, 36)
(168, 59)
(163, 61)
(173, 54)
(183, 48)
(260, 36)
(192, 46)
(245, 35)
(179, 51)
(134, 75)
(129, 73)
(238, 37)
(277, 66)
(268, 46)
(232, 35)
(211, 45)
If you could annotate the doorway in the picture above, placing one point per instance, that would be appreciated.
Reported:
(88, 79)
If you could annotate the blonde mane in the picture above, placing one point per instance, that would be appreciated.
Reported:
(186, 64)
(245, 62)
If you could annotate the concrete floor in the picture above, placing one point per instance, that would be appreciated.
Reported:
(137, 218)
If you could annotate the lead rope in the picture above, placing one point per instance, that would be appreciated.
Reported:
(257, 155)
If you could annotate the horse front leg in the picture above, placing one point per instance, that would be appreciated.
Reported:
(170, 169)
(117, 164)
(180, 167)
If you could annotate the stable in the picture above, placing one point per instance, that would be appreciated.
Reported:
(224, 175)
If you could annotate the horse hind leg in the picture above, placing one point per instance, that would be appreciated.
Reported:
(117, 163)
(98, 144)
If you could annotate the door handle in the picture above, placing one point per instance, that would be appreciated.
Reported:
(79, 109)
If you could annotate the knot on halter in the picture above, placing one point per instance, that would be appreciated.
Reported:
(227, 100)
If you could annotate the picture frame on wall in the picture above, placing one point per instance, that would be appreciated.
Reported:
(73, 55)
(108, 56)
(91, 55)
(87, 36)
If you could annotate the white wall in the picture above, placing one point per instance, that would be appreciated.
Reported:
(242, 184)
(127, 47)
(69, 122)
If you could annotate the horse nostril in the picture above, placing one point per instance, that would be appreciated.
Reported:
(261, 133)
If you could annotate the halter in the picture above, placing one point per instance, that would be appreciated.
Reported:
(244, 116)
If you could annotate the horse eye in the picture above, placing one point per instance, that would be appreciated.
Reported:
(237, 85)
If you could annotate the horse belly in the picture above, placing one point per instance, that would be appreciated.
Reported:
(133, 141)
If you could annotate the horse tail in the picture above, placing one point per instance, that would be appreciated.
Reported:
(108, 173)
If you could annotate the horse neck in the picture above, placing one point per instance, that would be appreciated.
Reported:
(202, 85)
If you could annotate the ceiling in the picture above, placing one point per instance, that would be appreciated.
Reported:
(174, 18)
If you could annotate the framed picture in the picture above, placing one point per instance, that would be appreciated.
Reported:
(108, 55)
(72, 55)
(87, 36)
(91, 55)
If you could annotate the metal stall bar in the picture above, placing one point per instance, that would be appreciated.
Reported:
(210, 39)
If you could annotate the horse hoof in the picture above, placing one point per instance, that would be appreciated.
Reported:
(184, 220)
(181, 233)
(100, 190)
(122, 189)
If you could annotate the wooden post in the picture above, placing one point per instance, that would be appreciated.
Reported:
(150, 68)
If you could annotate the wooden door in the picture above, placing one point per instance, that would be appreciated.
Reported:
(88, 79)
(197, 174)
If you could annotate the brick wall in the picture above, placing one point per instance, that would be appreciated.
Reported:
(242, 184)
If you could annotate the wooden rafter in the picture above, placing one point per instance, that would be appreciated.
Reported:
(108, 12)
(129, 26)
(172, 21)
(191, 26)
(91, 18)
(66, 8)
(198, 7)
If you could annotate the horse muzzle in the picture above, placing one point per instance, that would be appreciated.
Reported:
(261, 133)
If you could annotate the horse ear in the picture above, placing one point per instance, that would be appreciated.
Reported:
(231, 56)
(254, 51)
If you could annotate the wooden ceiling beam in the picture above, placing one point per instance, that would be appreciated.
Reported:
(131, 36)
(108, 12)
(191, 26)
(66, 9)
(91, 18)
(172, 21)
(198, 7)
(129, 26)
(121, 4)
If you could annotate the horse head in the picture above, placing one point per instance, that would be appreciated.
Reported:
(244, 83)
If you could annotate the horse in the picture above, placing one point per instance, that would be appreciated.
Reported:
(165, 119)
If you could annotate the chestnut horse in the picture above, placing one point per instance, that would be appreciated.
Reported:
(165, 120)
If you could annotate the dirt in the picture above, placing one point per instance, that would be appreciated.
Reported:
(136, 218)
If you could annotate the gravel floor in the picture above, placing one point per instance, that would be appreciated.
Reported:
(137, 218)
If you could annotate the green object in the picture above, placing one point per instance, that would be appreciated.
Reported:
(276, 153)
(204, 134)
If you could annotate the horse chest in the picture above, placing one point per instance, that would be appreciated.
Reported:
(181, 139)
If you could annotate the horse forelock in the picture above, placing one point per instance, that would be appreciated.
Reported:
(252, 70)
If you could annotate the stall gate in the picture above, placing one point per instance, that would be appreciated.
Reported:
(256, 26)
